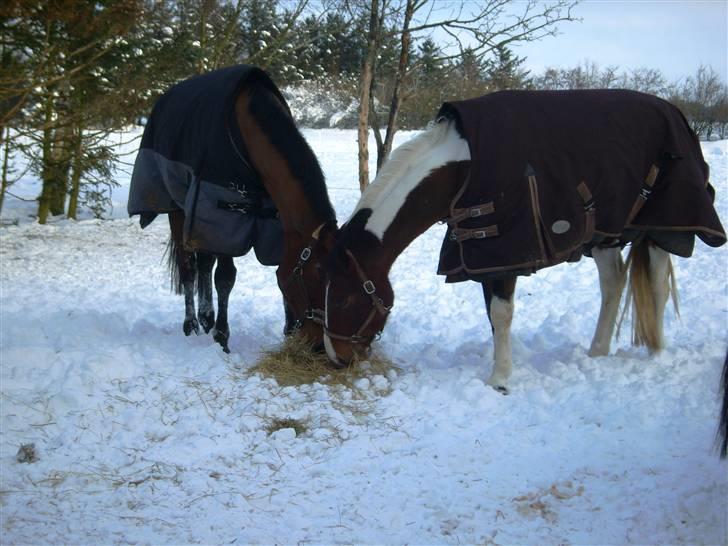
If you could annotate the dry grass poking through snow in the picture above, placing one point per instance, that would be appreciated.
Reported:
(293, 363)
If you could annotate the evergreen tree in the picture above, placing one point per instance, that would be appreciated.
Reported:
(504, 71)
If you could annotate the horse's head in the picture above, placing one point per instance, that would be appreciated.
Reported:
(358, 300)
(302, 281)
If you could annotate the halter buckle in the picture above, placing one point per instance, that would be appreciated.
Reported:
(369, 287)
(305, 253)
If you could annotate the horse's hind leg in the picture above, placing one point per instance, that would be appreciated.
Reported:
(183, 270)
(206, 310)
(224, 281)
(660, 275)
(611, 282)
(499, 304)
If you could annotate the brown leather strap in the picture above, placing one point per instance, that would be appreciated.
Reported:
(377, 307)
(458, 215)
(644, 193)
(462, 234)
(590, 211)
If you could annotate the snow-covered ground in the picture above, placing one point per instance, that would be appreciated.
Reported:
(146, 436)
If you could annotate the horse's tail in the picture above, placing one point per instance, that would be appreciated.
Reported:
(723, 424)
(640, 296)
(173, 253)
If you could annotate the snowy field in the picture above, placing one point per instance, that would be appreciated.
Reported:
(147, 437)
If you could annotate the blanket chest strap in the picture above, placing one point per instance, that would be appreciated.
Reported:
(462, 234)
(458, 215)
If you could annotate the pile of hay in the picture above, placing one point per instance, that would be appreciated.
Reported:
(293, 363)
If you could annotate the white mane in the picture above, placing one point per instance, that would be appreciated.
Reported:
(408, 165)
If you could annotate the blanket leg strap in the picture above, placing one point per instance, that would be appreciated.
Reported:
(644, 193)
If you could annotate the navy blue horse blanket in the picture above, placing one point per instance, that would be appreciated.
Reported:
(193, 158)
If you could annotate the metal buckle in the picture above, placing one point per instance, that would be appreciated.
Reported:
(306, 254)
(479, 235)
(242, 192)
(369, 287)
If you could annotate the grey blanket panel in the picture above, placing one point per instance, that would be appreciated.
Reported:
(158, 184)
(192, 158)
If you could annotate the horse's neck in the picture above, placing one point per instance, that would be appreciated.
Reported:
(294, 209)
(428, 203)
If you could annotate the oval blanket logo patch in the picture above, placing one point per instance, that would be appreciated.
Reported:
(560, 226)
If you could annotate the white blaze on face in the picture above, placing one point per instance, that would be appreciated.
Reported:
(327, 340)
(407, 167)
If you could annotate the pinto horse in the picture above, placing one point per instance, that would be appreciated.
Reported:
(222, 156)
(527, 180)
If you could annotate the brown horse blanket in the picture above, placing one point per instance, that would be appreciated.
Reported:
(555, 172)
(193, 158)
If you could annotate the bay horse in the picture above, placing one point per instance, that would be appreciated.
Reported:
(562, 174)
(222, 156)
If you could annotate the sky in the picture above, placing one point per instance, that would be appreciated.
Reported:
(675, 36)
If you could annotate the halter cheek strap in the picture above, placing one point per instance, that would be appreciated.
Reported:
(310, 313)
(377, 307)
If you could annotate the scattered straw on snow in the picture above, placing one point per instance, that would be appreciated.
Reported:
(294, 363)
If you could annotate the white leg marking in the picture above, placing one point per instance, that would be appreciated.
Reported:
(501, 316)
(611, 282)
(659, 269)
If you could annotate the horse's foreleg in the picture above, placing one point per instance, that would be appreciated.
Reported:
(224, 282)
(611, 282)
(206, 310)
(183, 279)
(499, 304)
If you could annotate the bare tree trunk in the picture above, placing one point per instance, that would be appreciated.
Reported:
(386, 149)
(60, 167)
(374, 123)
(367, 75)
(5, 139)
(44, 200)
(76, 172)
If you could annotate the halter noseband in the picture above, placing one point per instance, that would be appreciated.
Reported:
(315, 315)
(377, 307)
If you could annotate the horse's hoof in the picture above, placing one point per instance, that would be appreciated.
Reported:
(222, 339)
(207, 320)
(501, 389)
(191, 325)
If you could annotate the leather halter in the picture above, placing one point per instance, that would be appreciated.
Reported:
(315, 315)
(377, 307)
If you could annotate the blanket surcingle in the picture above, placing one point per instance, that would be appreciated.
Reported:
(555, 172)
(193, 158)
